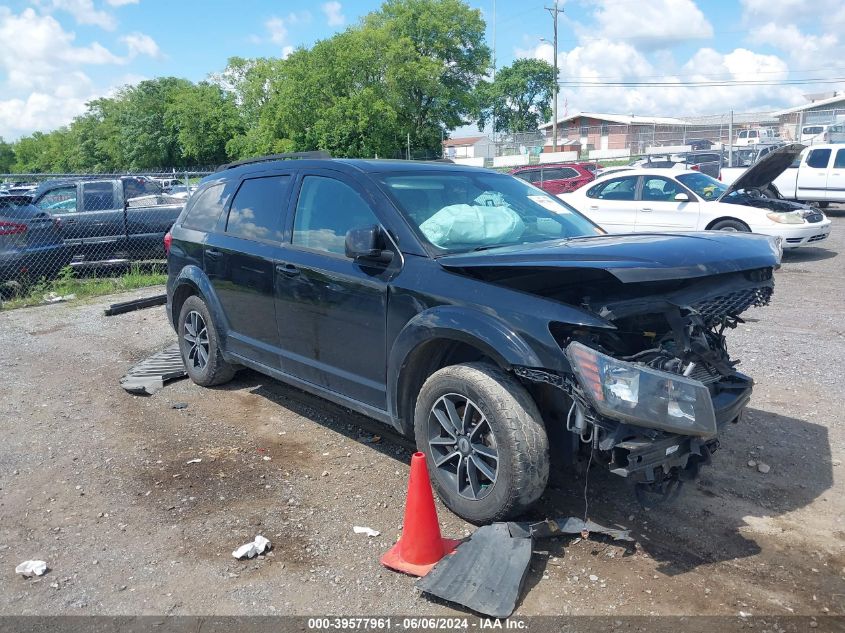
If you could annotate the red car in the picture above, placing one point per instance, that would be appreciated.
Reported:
(555, 177)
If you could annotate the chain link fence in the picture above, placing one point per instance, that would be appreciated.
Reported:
(86, 232)
(589, 138)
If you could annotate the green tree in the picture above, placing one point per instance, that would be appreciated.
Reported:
(206, 119)
(146, 126)
(7, 156)
(520, 97)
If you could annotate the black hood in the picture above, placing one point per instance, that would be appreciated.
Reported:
(764, 171)
(635, 257)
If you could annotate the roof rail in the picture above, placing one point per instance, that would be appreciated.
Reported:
(319, 154)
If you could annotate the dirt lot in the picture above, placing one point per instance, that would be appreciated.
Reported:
(96, 482)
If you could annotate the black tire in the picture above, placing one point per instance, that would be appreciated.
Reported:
(211, 370)
(823, 205)
(731, 225)
(511, 427)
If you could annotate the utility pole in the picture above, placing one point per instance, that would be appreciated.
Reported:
(409, 146)
(554, 11)
(495, 147)
(731, 140)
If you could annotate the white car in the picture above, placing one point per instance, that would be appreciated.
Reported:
(661, 200)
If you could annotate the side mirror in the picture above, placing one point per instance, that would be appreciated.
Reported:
(368, 244)
(682, 197)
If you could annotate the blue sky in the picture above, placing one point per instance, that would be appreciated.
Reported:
(57, 54)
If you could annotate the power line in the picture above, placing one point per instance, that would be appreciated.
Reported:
(696, 84)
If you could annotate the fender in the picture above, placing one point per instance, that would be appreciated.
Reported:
(194, 276)
(468, 325)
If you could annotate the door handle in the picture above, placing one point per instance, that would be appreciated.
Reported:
(646, 209)
(594, 208)
(288, 270)
(213, 253)
(70, 221)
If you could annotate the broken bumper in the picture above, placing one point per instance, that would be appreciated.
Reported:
(648, 459)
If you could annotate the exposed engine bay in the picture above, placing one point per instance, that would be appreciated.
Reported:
(648, 398)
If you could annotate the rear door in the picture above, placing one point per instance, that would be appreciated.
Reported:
(613, 204)
(812, 175)
(146, 220)
(556, 180)
(659, 211)
(240, 261)
(836, 177)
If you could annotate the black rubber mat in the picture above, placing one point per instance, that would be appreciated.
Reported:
(150, 374)
(485, 574)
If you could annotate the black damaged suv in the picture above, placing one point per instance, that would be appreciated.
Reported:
(471, 310)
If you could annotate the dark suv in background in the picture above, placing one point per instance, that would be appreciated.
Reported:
(472, 311)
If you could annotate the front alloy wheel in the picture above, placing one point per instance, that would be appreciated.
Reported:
(462, 445)
(484, 440)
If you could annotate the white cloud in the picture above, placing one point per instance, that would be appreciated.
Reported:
(287, 51)
(44, 84)
(83, 12)
(606, 61)
(141, 44)
(649, 25)
(121, 3)
(334, 13)
(804, 50)
(277, 30)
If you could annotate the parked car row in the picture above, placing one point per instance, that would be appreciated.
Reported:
(644, 199)
(83, 223)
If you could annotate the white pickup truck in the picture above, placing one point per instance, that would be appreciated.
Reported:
(817, 175)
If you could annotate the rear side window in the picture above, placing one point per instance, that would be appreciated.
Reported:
(59, 200)
(529, 175)
(98, 196)
(617, 189)
(559, 173)
(839, 161)
(135, 188)
(818, 158)
(204, 209)
(256, 212)
(326, 210)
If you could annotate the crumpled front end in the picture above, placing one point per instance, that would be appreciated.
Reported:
(649, 398)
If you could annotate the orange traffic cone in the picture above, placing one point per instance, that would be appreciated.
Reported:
(420, 546)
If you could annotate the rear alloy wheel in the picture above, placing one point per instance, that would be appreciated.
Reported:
(200, 345)
(734, 226)
(484, 439)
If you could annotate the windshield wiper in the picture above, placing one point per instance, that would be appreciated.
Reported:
(487, 247)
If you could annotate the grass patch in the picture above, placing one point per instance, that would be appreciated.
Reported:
(23, 294)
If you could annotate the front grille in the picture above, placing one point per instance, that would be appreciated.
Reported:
(794, 240)
(702, 374)
(732, 304)
(817, 238)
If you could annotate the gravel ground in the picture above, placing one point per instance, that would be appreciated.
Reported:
(97, 483)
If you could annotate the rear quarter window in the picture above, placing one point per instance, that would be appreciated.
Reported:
(204, 209)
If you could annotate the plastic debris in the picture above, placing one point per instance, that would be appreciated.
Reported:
(54, 298)
(196, 460)
(250, 550)
(365, 530)
(763, 468)
(31, 568)
(179, 405)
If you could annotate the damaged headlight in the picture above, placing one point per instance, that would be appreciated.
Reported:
(788, 217)
(643, 396)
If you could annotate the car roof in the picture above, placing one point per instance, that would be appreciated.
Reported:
(348, 165)
(640, 171)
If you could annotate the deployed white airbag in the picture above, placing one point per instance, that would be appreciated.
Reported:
(472, 224)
